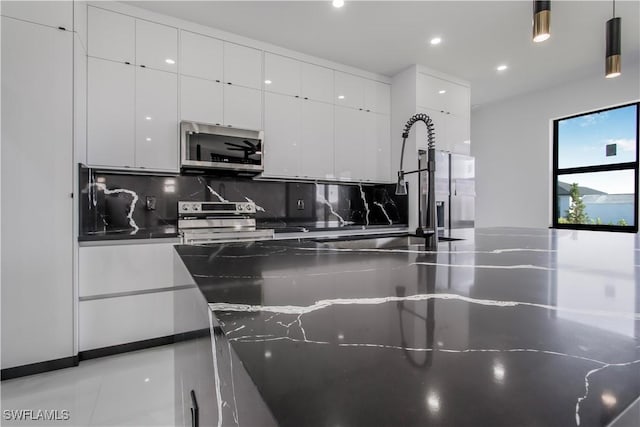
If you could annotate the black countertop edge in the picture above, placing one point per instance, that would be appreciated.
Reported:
(128, 235)
(172, 232)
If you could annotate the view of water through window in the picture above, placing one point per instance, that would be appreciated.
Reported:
(596, 168)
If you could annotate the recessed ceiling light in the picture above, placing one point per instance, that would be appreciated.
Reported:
(436, 40)
(501, 67)
(267, 82)
(169, 61)
(442, 91)
(337, 3)
(148, 118)
(340, 96)
(148, 139)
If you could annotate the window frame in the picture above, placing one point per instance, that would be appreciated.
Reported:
(598, 168)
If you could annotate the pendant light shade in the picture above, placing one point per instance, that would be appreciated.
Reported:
(613, 57)
(541, 20)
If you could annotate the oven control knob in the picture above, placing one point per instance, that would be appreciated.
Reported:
(240, 207)
(185, 207)
(195, 207)
(249, 207)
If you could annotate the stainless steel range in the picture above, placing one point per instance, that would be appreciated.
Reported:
(212, 222)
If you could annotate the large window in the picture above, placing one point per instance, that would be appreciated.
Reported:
(595, 170)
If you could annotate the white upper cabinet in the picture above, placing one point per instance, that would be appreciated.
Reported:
(351, 152)
(458, 134)
(282, 75)
(282, 118)
(242, 107)
(316, 140)
(317, 83)
(201, 101)
(349, 90)
(242, 66)
(382, 147)
(111, 35)
(156, 46)
(377, 97)
(201, 56)
(111, 113)
(52, 13)
(296, 78)
(442, 95)
(156, 120)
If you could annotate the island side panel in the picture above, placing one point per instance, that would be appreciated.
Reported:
(205, 364)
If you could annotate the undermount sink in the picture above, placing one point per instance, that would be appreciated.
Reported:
(393, 242)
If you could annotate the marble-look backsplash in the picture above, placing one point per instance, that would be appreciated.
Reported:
(116, 202)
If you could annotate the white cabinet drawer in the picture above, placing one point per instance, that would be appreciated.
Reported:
(125, 268)
(120, 320)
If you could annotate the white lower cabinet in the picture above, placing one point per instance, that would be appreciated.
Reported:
(127, 293)
(156, 144)
(242, 107)
(201, 101)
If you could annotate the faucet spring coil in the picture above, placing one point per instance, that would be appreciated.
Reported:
(421, 117)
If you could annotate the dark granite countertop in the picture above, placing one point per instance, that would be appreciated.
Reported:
(159, 232)
(512, 327)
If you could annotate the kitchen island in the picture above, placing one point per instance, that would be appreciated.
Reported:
(509, 327)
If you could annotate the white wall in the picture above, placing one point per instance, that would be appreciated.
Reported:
(512, 143)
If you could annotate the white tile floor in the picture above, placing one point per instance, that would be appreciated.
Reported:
(130, 389)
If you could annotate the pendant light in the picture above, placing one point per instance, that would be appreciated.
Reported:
(541, 20)
(614, 35)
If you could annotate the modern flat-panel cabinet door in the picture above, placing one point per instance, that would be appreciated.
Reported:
(201, 56)
(156, 119)
(156, 46)
(242, 66)
(111, 35)
(242, 107)
(349, 155)
(281, 74)
(458, 101)
(439, 129)
(368, 147)
(383, 148)
(201, 101)
(377, 97)
(316, 142)
(348, 90)
(317, 83)
(281, 135)
(52, 13)
(111, 113)
(458, 134)
(37, 183)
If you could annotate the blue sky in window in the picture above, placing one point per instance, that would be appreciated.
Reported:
(582, 141)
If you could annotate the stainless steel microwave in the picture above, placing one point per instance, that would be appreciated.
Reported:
(215, 147)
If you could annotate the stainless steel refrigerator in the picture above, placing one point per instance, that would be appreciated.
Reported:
(455, 192)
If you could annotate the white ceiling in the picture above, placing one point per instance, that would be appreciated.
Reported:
(387, 36)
